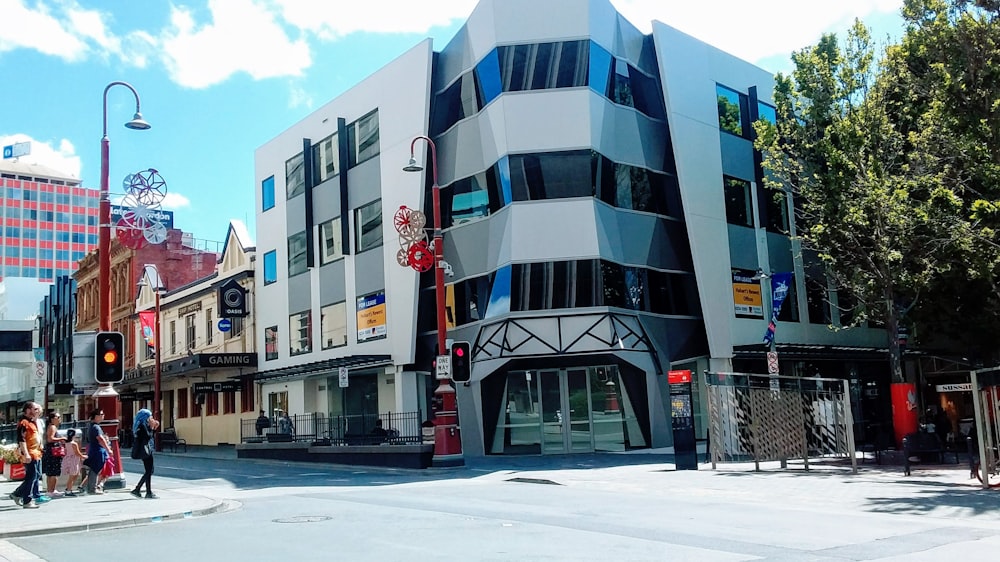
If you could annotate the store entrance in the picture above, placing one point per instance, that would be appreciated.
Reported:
(560, 411)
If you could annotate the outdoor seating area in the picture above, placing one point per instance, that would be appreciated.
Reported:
(169, 438)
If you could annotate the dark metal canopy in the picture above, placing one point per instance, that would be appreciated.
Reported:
(351, 362)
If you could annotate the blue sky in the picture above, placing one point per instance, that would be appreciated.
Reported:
(219, 78)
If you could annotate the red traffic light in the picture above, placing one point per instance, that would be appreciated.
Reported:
(459, 352)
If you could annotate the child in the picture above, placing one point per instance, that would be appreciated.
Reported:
(72, 461)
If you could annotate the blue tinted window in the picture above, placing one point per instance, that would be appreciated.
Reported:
(600, 69)
(731, 109)
(503, 168)
(488, 75)
(499, 294)
(270, 267)
(766, 113)
(92, 239)
(267, 193)
(62, 236)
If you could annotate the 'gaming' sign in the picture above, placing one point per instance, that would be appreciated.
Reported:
(166, 218)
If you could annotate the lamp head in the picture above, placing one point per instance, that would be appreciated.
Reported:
(138, 123)
(413, 166)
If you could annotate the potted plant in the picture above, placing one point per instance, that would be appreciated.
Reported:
(12, 467)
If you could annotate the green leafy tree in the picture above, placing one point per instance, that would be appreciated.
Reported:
(865, 204)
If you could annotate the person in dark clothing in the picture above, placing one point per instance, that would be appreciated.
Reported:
(262, 423)
(142, 428)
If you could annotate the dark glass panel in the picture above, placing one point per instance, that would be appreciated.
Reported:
(790, 307)
(737, 193)
(562, 288)
(538, 285)
(621, 92)
(586, 283)
(818, 302)
(730, 116)
(635, 288)
(447, 108)
(500, 293)
(600, 69)
(573, 62)
(612, 284)
(646, 94)
(542, 66)
(775, 205)
(518, 287)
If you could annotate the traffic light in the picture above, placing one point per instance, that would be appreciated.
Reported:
(109, 357)
(461, 361)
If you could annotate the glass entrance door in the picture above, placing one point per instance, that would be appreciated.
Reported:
(566, 420)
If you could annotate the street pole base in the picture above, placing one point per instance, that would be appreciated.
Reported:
(447, 461)
(115, 482)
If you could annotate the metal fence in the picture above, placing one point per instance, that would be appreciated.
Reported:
(759, 418)
(397, 428)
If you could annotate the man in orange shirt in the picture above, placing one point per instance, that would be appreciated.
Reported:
(29, 446)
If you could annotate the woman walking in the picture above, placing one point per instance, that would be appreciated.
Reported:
(142, 448)
(52, 454)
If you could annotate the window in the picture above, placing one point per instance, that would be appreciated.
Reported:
(267, 193)
(732, 110)
(229, 402)
(300, 333)
(333, 325)
(182, 403)
(209, 326)
(551, 175)
(211, 403)
(237, 329)
(297, 254)
(173, 337)
(295, 176)
(368, 226)
(195, 404)
(790, 307)
(247, 395)
(818, 301)
(738, 207)
(362, 141)
(270, 343)
(326, 158)
(270, 267)
(776, 207)
(330, 239)
(189, 332)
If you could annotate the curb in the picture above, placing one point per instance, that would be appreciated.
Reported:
(221, 506)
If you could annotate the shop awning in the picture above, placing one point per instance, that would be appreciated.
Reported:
(326, 365)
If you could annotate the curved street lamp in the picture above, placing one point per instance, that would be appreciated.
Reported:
(447, 440)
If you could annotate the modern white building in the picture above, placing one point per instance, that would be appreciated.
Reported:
(604, 221)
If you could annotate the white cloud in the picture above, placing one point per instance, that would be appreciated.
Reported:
(39, 29)
(174, 200)
(299, 97)
(62, 159)
(374, 16)
(754, 30)
(243, 36)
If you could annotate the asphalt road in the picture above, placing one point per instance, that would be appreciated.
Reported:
(635, 512)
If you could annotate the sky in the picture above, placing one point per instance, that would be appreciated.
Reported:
(219, 78)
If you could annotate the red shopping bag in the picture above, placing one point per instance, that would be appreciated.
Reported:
(109, 467)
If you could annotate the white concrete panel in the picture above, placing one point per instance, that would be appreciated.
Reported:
(699, 167)
(548, 121)
(553, 230)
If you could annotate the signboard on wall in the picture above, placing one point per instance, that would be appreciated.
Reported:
(371, 317)
(747, 301)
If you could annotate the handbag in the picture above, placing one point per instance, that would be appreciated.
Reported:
(58, 450)
(109, 467)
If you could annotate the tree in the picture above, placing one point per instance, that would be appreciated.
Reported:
(882, 225)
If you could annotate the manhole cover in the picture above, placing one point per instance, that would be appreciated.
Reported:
(303, 519)
(534, 481)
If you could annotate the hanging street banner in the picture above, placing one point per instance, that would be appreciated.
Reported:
(780, 283)
(147, 319)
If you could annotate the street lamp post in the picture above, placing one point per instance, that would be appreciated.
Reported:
(447, 439)
(107, 398)
(156, 352)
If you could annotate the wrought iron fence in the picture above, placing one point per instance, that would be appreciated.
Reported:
(759, 418)
(396, 428)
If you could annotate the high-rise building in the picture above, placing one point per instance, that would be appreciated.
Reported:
(49, 221)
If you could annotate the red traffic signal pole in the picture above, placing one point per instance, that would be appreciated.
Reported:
(106, 396)
(447, 439)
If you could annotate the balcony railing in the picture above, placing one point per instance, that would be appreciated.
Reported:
(397, 428)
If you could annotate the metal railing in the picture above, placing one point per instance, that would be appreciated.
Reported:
(398, 428)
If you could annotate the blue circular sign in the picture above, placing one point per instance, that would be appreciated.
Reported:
(225, 325)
